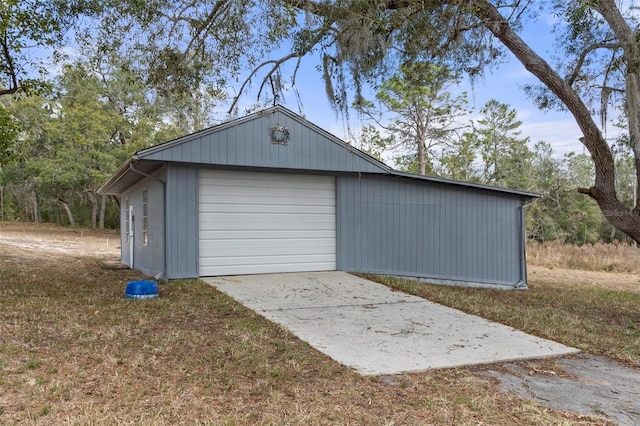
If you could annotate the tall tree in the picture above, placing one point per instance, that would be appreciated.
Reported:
(505, 155)
(418, 111)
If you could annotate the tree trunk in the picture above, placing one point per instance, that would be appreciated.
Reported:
(36, 208)
(66, 208)
(422, 158)
(103, 208)
(627, 38)
(603, 191)
(94, 208)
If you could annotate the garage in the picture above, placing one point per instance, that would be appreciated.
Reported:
(271, 192)
(253, 223)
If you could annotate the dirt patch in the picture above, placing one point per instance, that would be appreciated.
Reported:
(43, 240)
(617, 281)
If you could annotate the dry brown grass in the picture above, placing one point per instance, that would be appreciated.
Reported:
(615, 257)
(74, 351)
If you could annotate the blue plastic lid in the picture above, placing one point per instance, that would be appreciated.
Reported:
(142, 289)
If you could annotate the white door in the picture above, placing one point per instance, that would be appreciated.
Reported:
(252, 223)
(131, 235)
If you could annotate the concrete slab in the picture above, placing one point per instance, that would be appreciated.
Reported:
(375, 330)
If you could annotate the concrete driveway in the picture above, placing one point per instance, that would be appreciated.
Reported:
(375, 330)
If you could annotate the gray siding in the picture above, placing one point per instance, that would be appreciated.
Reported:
(147, 258)
(246, 143)
(398, 226)
(182, 221)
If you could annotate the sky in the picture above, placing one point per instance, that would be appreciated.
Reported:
(503, 84)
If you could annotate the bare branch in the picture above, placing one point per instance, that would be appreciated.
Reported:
(583, 56)
(276, 63)
(219, 7)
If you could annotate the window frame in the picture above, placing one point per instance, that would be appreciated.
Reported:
(145, 217)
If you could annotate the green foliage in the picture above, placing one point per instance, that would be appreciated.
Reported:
(372, 142)
(76, 134)
(504, 154)
(29, 29)
(423, 113)
(8, 133)
(562, 214)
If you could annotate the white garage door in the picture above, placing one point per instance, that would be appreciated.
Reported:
(253, 223)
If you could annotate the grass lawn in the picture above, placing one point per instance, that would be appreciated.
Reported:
(73, 350)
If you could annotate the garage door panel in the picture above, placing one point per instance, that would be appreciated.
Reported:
(265, 260)
(241, 221)
(243, 234)
(254, 247)
(263, 223)
(265, 269)
(227, 186)
(259, 197)
(267, 208)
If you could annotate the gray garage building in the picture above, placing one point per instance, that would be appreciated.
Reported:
(271, 192)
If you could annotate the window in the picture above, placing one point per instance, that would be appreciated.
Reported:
(145, 217)
(126, 220)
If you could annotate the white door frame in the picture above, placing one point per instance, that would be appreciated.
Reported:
(131, 235)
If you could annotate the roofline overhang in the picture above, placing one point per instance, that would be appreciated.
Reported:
(122, 170)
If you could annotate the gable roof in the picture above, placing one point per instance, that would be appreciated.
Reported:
(247, 142)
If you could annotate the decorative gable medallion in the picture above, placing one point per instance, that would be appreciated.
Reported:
(279, 135)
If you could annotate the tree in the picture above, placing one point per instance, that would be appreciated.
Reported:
(28, 28)
(423, 112)
(459, 159)
(505, 156)
(74, 135)
(8, 133)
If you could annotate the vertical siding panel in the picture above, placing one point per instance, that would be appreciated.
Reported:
(312, 152)
(395, 208)
(499, 236)
(340, 253)
(359, 223)
(196, 151)
(384, 220)
(224, 147)
(182, 214)
(297, 149)
(422, 219)
(412, 229)
(245, 142)
(475, 237)
(251, 144)
(206, 150)
(233, 138)
(346, 234)
(403, 210)
(440, 245)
